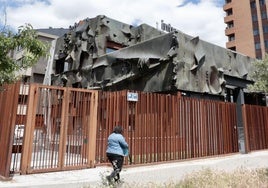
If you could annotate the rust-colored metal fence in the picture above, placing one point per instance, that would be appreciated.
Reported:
(166, 127)
(256, 124)
(45, 128)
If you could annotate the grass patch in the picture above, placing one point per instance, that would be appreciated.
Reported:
(208, 178)
(240, 178)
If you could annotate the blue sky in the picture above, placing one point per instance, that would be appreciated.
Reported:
(203, 18)
(189, 1)
(217, 2)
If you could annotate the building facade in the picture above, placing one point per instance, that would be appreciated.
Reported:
(247, 27)
(36, 73)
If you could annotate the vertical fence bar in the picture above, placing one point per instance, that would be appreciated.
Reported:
(64, 128)
(244, 113)
(26, 151)
(93, 129)
(9, 102)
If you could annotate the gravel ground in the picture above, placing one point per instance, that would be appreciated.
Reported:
(154, 174)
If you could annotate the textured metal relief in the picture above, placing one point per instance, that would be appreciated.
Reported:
(102, 53)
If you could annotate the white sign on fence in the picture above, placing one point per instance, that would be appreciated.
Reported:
(132, 96)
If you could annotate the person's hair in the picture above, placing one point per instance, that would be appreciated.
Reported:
(118, 129)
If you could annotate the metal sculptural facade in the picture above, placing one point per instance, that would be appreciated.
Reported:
(102, 53)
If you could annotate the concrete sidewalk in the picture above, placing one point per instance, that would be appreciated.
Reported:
(155, 174)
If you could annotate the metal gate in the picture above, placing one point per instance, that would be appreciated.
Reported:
(256, 126)
(60, 129)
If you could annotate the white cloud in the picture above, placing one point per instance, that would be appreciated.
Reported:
(204, 19)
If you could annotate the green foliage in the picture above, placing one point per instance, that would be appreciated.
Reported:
(33, 49)
(260, 75)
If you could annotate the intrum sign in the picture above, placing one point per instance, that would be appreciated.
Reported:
(132, 96)
(167, 27)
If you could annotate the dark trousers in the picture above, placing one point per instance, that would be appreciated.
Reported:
(117, 162)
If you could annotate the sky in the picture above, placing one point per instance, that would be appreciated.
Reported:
(203, 18)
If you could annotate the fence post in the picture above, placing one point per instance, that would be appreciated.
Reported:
(244, 112)
(29, 125)
(93, 129)
(241, 128)
(9, 105)
(64, 127)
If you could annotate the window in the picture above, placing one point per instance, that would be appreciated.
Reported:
(263, 15)
(256, 32)
(253, 4)
(38, 78)
(265, 29)
(258, 54)
(254, 17)
(109, 50)
(67, 66)
(230, 24)
(257, 46)
(262, 2)
(266, 44)
(258, 57)
(229, 12)
(112, 46)
(233, 48)
(231, 37)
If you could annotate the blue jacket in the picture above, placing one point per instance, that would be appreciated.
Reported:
(117, 144)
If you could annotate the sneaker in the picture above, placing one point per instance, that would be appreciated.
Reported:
(109, 179)
(119, 181)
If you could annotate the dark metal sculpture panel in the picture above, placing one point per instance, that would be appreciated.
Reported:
(102, 53)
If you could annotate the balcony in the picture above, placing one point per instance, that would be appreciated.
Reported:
(230, 44)
(228, 18)
(229, 31)
(227, 6)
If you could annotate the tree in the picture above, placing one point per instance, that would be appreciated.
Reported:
(26, 39)
(260, 75)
